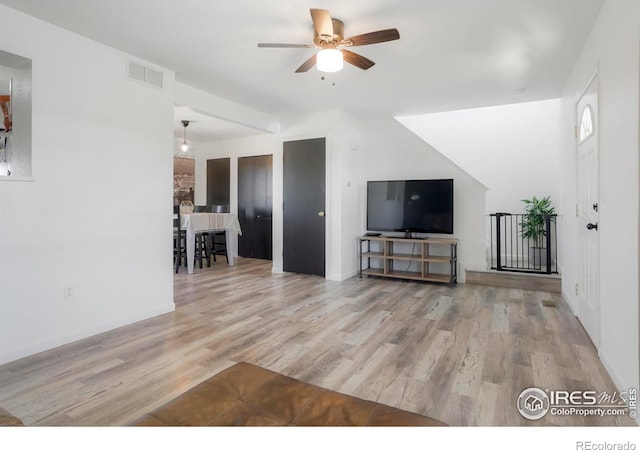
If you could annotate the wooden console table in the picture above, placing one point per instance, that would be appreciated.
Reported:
(427, 260)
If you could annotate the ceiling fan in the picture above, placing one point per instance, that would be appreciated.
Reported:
(329, 38)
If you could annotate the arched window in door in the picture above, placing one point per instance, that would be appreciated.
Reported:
(586, 124)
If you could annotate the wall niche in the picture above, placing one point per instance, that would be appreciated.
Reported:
(15, 116)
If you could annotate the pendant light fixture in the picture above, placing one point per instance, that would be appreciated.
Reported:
(184, 150)
(185, 147)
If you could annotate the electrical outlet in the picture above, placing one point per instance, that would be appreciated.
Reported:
(68, 292)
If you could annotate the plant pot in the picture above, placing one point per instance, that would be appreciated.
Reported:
(537, 257)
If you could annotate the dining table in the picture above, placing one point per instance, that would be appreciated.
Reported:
(194, 223)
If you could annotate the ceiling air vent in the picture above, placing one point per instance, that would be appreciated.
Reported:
(154, 77)
(144, 74)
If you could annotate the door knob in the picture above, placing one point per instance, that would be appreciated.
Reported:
(592, 226)
(321, 213)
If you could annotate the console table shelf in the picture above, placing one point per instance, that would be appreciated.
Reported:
(429, 259)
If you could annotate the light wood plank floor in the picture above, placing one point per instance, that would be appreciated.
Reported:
(459, 354)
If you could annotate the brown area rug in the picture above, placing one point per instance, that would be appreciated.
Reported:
(244, 394)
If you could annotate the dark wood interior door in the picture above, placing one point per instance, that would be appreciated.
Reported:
(304, 207)
(255, 206)
(218, 181)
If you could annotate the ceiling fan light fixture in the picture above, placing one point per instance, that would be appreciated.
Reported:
(329, 60)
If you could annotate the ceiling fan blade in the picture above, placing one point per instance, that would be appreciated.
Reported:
(322, 22)
(308, 64)
(374, 37)
(270, 45)
(357, 60)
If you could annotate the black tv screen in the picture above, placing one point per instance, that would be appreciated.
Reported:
(412, 206)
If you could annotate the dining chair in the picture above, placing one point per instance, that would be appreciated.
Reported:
(219, 208)
(180, 243)
(219, 238)
(179, 238)
(202, 240)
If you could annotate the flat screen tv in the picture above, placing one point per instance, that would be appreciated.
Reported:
(411, 206)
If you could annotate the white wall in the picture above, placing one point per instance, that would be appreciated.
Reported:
(612, 50)
(352, 150)
(511, 149)
(212, 105)
(392, 152)
(97, 217)
(357, 151)
(6, 73)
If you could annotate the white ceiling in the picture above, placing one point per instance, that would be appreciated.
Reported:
(452, 54)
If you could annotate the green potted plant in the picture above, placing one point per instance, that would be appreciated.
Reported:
(533, 227)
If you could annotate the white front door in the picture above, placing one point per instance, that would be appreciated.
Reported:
(588, 289)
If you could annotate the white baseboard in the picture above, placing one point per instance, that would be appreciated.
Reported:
(343, 276)
(57, 341)
(570, 299)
